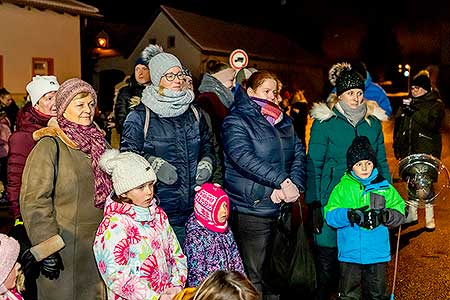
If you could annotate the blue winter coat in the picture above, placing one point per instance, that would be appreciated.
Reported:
(182, 141)
(259, 157)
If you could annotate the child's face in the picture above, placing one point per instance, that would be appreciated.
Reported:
(222, 214)
(10, 281)
(363, 168)
(142, 195)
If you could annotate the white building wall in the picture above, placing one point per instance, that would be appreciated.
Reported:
(28, 32)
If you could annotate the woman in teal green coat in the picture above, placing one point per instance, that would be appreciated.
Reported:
(336, 123)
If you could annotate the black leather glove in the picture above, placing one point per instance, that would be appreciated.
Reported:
(371, 219)
(30, 267)
(52, 266)
(356, 215)
(316, 216)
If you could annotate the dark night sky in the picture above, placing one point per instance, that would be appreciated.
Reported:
(298, 19)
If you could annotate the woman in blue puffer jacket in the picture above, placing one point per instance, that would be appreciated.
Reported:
(264, 166)
(173, 136)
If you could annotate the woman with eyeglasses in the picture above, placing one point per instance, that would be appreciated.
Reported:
(418, 129)
(172, 134)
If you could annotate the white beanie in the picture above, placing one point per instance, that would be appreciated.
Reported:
(128, 170)
(41, 85)
(160, 63)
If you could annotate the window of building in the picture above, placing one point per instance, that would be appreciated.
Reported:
(171, 41)
(42, 66)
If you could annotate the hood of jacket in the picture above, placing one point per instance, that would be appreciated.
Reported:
(324, 111)
(28, 119)
(137, 213)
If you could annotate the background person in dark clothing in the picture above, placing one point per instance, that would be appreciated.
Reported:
(417, 129)
(8, 105)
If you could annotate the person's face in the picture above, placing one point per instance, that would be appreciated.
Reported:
(173, 79)
(10, 281)
(142, 195)
(267, 90)
(188, 83)
(6, 100)
(142, 74)
(417, 91)
(353, 98)
(363, 168)
(226, 77)
(81, 111)
(46, 104)
(222, 214)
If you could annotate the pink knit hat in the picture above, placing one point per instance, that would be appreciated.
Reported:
(9, 251)
(68, 90)
(208, 199)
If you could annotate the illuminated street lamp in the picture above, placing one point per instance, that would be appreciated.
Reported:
(102, 40)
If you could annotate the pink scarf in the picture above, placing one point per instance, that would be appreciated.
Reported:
(90, 140)
(269, 110)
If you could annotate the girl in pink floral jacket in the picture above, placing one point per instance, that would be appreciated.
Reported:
(137, 252)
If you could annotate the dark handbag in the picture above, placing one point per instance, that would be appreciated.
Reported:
(289, 267)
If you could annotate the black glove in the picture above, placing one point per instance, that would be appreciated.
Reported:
(316, 218)
(383, 216)
(30, 267)
(371, 219)
(52, 266)
(408, 110)
(356, 215)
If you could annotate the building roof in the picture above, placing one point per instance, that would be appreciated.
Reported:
(67, 6)
(220, 37)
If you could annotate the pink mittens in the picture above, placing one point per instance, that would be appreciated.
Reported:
(290, 191)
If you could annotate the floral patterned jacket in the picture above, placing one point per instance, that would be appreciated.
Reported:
(208, 251)
(137, 252)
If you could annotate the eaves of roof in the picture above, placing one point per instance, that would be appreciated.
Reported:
(64, 6)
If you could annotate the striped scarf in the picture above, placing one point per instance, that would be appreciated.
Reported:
(269, 110)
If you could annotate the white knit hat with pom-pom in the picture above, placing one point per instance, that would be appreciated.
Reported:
(128, 170)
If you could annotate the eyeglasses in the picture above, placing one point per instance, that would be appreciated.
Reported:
(171, 76)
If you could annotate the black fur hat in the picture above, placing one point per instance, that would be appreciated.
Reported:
(360, 149)
(345, 78)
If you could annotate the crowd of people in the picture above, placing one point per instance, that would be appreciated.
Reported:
(187, 207)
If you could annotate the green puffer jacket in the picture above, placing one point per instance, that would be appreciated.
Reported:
(419, 132)
(331, 135)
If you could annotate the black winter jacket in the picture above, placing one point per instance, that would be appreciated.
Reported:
(123, 105)
(418, 127)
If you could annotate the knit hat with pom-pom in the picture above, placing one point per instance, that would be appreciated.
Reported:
(208, 200)
(345, 78)
(128, 170)
(9, 249)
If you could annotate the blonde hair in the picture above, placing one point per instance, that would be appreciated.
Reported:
(20, 281)
(80, 96)
(226, 285)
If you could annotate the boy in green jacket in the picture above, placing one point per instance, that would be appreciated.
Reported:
(361, 207)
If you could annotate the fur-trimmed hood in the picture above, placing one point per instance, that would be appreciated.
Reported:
(324, 111)
(54, 130)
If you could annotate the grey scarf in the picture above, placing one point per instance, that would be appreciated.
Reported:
(353, 115)
(211, 84)
(170, 104)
